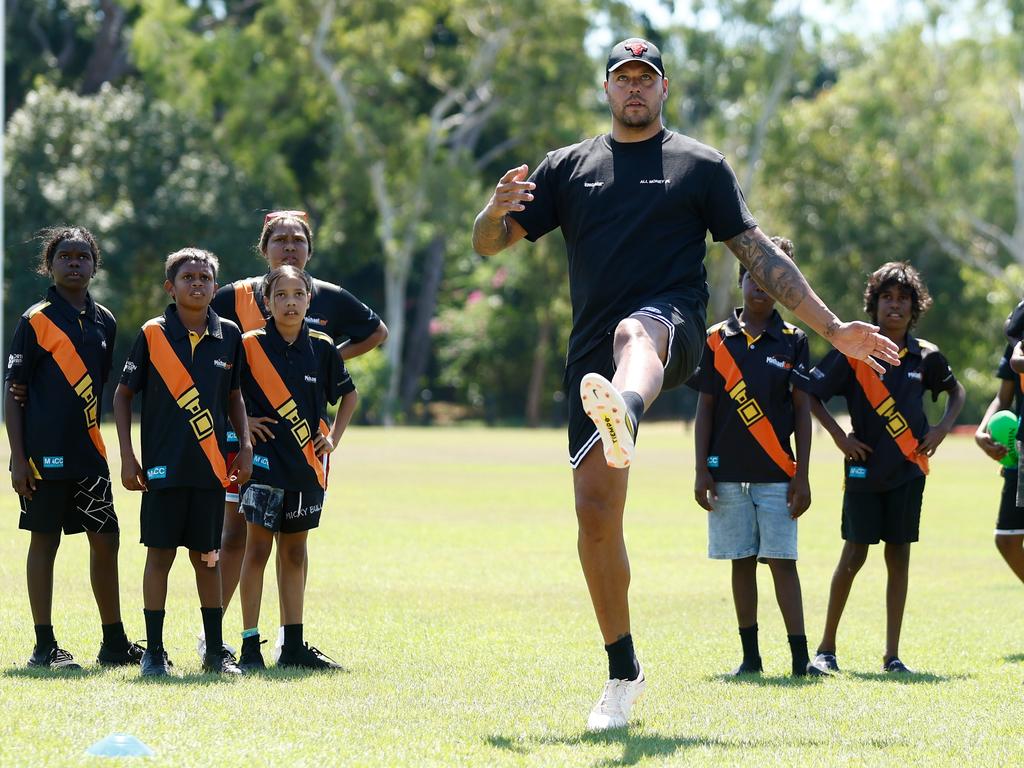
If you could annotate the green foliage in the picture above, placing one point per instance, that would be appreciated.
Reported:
(142, 176)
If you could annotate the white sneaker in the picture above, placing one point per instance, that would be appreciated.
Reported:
(618, 697)
(201, 645)
(278, 645)
(604, 405)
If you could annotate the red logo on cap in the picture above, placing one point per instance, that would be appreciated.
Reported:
(637, 48)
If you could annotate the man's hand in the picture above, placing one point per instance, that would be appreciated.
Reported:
(511, 194)
(798, 498)
(258, 428)
(241, 468)
(21, 477)
(704, 488)
(853, 448)
(132, 476)
(863, 342)
(991, 448)
(932, 440)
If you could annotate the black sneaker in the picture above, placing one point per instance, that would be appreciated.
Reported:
(306, 657)
(52, 657)
(221, 664)
(252, 659)
(895, 666)
(155, 663)
(748, 669)
(825, 663)
(127, 657)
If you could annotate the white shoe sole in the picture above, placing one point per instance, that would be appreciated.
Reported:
(599, 721)
(606, 408)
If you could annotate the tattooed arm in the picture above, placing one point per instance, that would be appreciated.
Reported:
(493, 230)
(779, 276)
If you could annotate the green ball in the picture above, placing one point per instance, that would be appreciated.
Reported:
(1003, 429)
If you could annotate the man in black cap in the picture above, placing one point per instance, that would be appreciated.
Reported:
(635, 206)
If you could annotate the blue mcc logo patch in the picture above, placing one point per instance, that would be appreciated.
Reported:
(713, 462)
(53, 462)
(261, 461)
(858, 473)
(156, 473)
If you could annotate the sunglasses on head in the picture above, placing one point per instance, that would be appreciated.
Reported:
(286, 214)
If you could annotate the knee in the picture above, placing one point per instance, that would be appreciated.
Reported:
(853, 561)
(232, 538)
(630, 330)
(293, 554)
(44, 545)
(596, 518)
(897, 555)
(258, 551)
(782, 567)
(1006, 545)
(106, 544)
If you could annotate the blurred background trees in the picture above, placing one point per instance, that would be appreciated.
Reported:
(164, 123)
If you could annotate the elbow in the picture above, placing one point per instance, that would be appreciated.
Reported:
(382, 333)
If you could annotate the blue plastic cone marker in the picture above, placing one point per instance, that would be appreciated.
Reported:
(119, 745)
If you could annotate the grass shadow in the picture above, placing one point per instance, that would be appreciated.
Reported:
(916, 678)
(1014, 657)
(766, 681)
(30, 673)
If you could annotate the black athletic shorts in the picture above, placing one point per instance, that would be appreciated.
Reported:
(893, 516)
(1011, 517)
(71, 505)
(686, 335)
(279, 510)
(183, 517)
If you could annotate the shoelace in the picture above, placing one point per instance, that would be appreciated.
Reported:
(61, 657)
(608, 696)
(319, 654)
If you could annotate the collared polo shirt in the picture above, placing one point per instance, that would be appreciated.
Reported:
(314, 375)
(171, 453)
(57, 418)
(923, 368)
(766, 364)
(1005, 372)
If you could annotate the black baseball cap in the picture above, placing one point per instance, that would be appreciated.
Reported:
(635, 49)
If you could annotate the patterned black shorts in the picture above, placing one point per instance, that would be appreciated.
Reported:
(72, 505)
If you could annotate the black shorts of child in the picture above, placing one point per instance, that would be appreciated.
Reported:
(183, 517)
(70, 505)
(281, 511)
(687, 333)
(892, 516)
(1011, 517)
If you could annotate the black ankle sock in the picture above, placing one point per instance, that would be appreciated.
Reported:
(154, 629)
(622, 660)
(798, 647)
(114, 637)
(213, 628)
(292, 636)
(44, 636)
(751, 654)
(635, 406)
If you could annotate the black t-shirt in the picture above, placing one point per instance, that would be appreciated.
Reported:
(766, 364)
(313, 373)
(171, 452)
(1004, 371)
(1014, 326)
(922, 368)
(635, 217)
(57, 418)
(332, 309)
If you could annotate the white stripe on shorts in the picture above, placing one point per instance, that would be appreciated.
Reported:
(574, 461)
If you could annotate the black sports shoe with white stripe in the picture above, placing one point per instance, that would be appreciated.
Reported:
(127, 657)
(52, 657)
(306, 657)
(895, 666)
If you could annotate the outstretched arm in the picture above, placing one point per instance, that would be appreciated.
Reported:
(779, 276)
(493, 230)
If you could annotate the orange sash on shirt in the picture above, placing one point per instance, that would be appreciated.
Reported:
(183, 390)
(281, 399)
(885, 406)
(56, 342)
(250, 317)
(747, 407)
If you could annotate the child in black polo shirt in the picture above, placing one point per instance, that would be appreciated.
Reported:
(747, 478)
(186, 365)
(887, 452)
(59, 360)
(289, 375)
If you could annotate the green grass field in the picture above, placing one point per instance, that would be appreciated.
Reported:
(445, 578)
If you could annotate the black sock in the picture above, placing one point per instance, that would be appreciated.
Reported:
(622, 660)
(635, 406)
(292, 636)
(751, 654)
(114, 637)
(213, 628)
(154, 629)
(44, 636)
(798, 647)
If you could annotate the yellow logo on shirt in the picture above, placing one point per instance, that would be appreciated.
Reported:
(85, 391)
(746, 406)
(201, 419)
(895, 424)
(300, 427)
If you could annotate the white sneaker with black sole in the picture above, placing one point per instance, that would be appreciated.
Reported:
(617, 699)
(603, 403)
(201, 645)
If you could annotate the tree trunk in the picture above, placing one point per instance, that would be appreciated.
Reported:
(419, 347)
(539, 369)
(109, 60)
